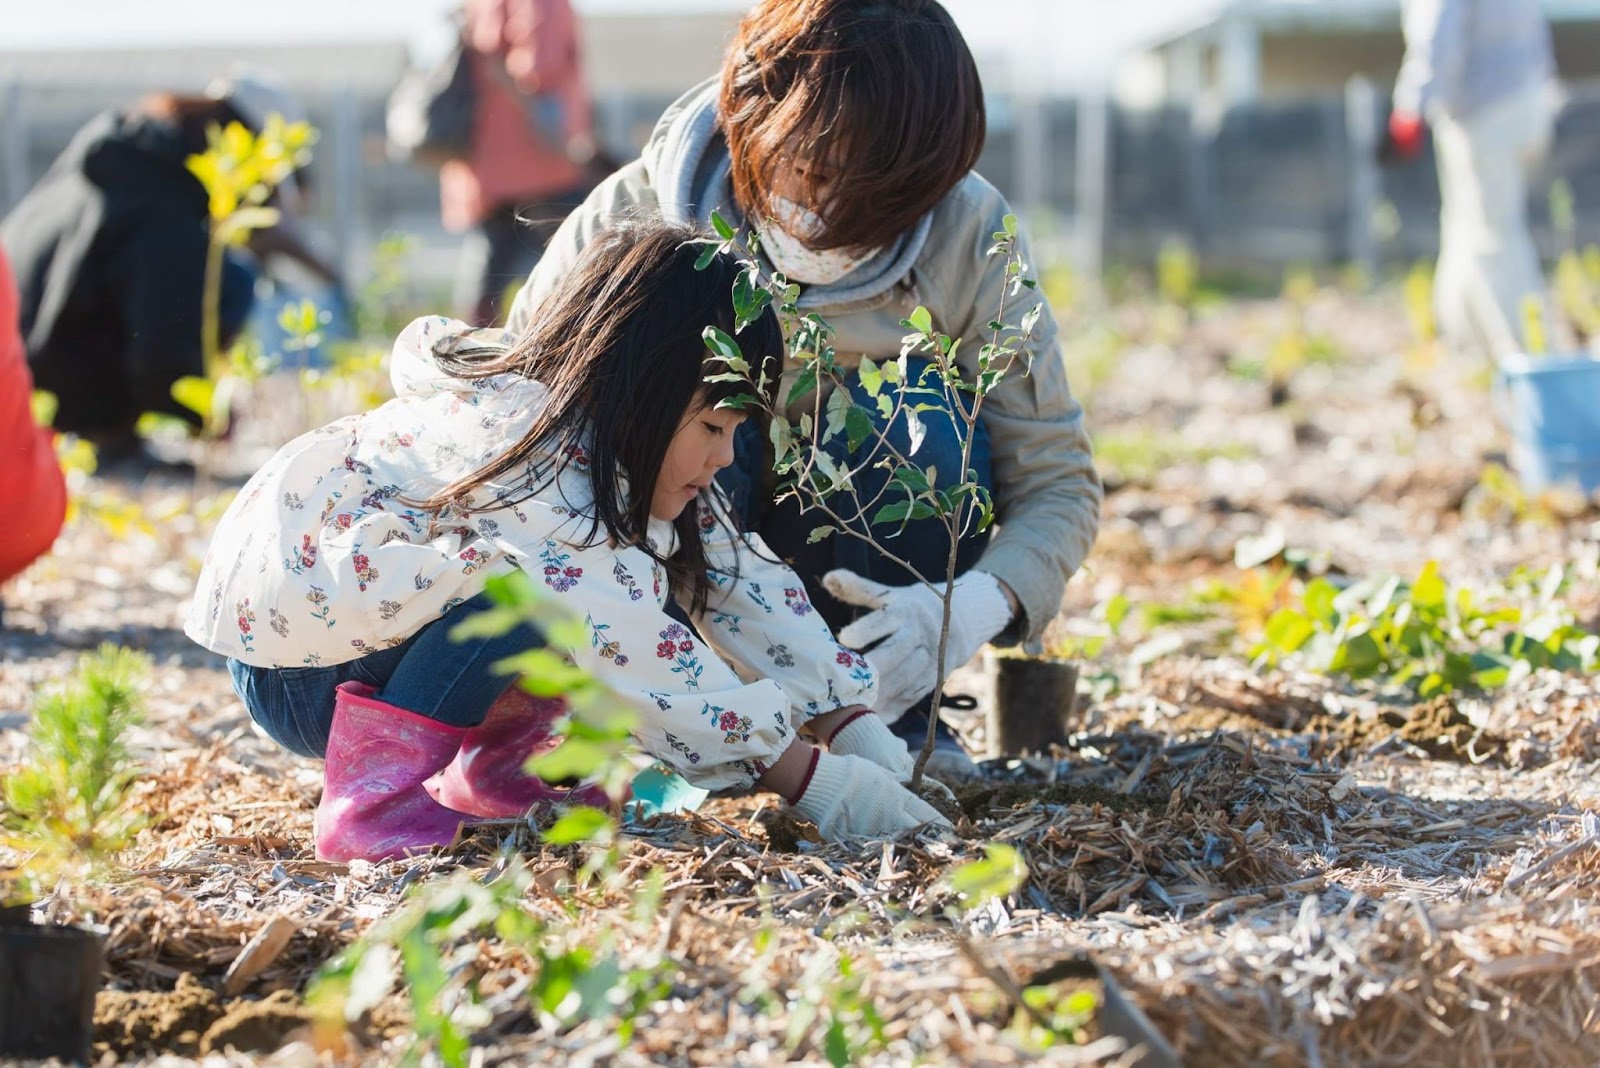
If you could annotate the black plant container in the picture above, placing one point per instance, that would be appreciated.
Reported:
(49, 976)
(1035, 700)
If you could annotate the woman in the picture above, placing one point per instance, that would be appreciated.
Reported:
(845, 131)
(583, 455)
(110, 250)
(532, 144)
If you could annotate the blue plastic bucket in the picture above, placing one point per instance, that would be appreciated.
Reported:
(1551, 406)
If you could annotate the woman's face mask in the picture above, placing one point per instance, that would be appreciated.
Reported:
(784, 242)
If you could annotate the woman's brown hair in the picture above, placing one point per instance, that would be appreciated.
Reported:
(619, 346)
(881, 97)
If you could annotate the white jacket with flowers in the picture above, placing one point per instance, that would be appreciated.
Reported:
(319, 561)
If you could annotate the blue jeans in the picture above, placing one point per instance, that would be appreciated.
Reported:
(924, 543)
(431, 675)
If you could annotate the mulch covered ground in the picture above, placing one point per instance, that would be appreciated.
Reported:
(1278, 868)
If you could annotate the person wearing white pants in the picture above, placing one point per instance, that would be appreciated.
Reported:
(1480, 73)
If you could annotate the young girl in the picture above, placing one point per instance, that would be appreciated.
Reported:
(583, 454)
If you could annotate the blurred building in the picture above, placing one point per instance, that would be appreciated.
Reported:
(1229, 125)
(1241, 51)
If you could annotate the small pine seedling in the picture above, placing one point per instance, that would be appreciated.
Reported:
(67, 805)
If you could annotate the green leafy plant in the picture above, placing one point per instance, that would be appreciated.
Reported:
(67, 807)
(1429, 634)
(817, 410)
(240, 170)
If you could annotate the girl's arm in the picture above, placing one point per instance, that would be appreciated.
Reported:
(697, 716)
(760, 618)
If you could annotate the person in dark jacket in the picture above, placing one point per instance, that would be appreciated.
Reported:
(109, 251)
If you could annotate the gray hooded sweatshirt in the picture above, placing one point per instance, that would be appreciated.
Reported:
(1047, 495)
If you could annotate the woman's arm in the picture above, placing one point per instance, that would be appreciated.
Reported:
(1047, 493)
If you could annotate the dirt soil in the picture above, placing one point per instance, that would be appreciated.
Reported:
(1277, 867)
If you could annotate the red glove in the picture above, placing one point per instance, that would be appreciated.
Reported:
(1405, 134)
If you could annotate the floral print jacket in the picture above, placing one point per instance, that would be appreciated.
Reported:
(319, 560)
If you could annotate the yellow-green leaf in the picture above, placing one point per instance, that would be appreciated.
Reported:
(196, 394)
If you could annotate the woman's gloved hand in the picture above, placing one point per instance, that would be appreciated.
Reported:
(851, 797)
(866, 735)
(905, 621)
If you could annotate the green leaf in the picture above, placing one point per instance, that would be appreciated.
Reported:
(707, 254)
(723, 228)
(782, 437)
(1428, 591)
(1319, 597)
(804, 383)
(44, 406)
(998, 874)
(819, 533)
(196, 394)
(1117, 611)
(578, 825)
(836, 1044)
(912, 478)
(1287, 630)
(575, 758)
(871, 377)
(920, 320)
(858, 427)
(725, 349)
(1359, 656)
(903, 511)
(1010, 224)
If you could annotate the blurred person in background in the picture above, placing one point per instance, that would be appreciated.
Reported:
(845, 132)
(109, 250)
(1480, 73)
(532, 146)
(33, 492)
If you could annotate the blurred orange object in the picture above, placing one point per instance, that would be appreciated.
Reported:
(33, 492)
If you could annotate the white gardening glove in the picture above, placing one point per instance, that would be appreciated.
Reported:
(868, 736)
(851, 797)
(907, 619)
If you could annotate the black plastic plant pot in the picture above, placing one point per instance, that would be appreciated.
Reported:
(49, 976)
(1034, 702)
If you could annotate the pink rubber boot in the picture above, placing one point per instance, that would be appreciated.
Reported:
(373, 804)
(486, 778)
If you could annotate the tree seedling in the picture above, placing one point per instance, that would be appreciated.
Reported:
(818, 409)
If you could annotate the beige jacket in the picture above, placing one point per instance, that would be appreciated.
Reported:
(1047, 494)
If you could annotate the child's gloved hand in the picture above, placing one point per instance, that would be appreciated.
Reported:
(867, 735)
(851, 797)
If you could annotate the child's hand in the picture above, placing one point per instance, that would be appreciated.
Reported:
(851, 797)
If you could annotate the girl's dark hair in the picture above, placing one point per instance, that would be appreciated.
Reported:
(885, 90)
(619, 346)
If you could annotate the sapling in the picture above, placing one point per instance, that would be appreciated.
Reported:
(818, 409)
(240, 171)
(67, 808)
